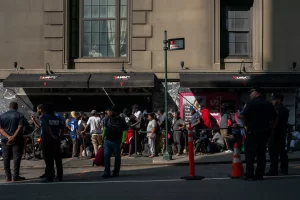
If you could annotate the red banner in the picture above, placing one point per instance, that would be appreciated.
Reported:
(212, 101)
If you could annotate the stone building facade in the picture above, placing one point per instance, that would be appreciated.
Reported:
(101, 36)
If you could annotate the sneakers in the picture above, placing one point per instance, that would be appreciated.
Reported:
(8, 179)
(18, 178)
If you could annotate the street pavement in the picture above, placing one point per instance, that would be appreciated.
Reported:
(152, 182)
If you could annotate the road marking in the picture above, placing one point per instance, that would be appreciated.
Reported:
(93, 182)
(265, 177)
(133, 181)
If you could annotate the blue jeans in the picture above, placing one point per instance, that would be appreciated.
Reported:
(205, 140)
(109, 147)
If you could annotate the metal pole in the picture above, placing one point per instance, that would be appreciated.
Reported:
(135, 142)
(166, 156)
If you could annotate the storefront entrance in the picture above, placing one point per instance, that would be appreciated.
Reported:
(86, 103)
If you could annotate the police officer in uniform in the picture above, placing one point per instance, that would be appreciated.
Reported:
(277, 139)
(259, 115)
(51, 126)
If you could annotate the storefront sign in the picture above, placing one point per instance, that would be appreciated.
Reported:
(241, 77)
(48, 77)
(212, 101)
(121, 77)
(176, 44)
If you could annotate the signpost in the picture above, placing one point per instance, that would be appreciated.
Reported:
(171, 45)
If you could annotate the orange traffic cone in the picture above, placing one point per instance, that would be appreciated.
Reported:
(237, 170)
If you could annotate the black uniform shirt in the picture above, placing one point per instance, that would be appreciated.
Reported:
(258, 114)
(283, 114)
(10, 121)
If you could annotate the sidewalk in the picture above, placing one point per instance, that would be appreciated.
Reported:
(219, 158)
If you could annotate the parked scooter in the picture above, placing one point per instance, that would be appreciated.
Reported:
(34, 146)
(66, 146)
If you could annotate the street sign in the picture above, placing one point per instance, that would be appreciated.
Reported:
(176, 44)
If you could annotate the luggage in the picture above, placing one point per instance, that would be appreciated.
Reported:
(99, 158)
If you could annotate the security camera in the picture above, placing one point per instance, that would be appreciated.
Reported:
(182, 64)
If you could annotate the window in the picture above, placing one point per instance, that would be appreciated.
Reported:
(104, 28)
(235, 31)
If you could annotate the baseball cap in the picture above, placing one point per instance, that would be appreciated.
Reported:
(257, 89)
(101, 113)
(113, 109)
(276, 96)
(73, 114)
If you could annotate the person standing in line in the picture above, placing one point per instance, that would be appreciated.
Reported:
(51, 127)
(225, 116)
(161, 138)
(177, 127)
(195, 122)
(260, 116)
(277, 140)
(94, 123)
(82, 137)
(67, 120)
(74, 134)
(151, 133)
(114, 132)
(11, 124)
(137, 117)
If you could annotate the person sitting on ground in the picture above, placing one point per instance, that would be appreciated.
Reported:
(217, 142)
(235, 136)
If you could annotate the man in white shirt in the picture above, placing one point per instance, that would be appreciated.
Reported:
(137, 126)
(94, 123)
(151, 133)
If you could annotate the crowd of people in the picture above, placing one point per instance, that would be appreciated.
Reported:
(144, 133)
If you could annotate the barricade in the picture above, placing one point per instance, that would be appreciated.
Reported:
(191, 157)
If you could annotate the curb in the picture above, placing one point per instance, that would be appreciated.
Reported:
(151, 164)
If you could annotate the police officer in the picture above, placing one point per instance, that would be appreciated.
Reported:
(11, 125)
(51, 126)
(277, 139)
(259, 115)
